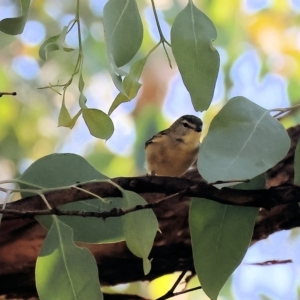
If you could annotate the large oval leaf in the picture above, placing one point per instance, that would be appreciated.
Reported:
(243, 141)
(198, 61)
(220, 236)
(123, 30)
(70, 269)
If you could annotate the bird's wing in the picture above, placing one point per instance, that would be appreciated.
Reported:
(156, 137)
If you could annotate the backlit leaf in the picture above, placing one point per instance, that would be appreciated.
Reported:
(99, 123)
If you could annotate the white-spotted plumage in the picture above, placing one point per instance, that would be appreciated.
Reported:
(173, 151)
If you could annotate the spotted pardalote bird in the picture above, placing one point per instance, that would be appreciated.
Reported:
(173, 151)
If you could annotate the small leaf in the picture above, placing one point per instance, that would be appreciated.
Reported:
(14, 26)
(64, 117)
(68, 49)
(100, 124)
(70, 269)
(131, 84)
(243, 141)
(91, 230)
(220, 236)
(123, 30)
(140, 228)
(198, 61)
(54, 43)
(81, 83)
(82, 101)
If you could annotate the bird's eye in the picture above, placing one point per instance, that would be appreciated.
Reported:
(185, 124)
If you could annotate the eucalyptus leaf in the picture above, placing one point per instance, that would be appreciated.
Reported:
(140, 228)
(131, 84)
(81, 83)
(14, 26)
(243, 141)
(70, 269)
(123, 30)
(198, 61)
(220, 235)
(58, 170)
(99, 123)
(53, 43)
(64, 118)
(89, 229)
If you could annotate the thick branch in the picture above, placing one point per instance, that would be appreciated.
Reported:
(265, 198)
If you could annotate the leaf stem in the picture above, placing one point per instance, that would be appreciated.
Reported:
(283, 110)
(162, 41)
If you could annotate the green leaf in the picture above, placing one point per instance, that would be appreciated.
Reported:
(123, 30)
(82, 101)
(14, 26)
(48, 46)
(91, 230)
(63, 270)
(140, 228)
(53, 43)
(58, 170)
(68, 49)
(297, 164)
(64, 118)
(131, 84)
(220, 236)
(198, 61)
(243, 141)
(99, 123)
(81, 83)
(115, 73)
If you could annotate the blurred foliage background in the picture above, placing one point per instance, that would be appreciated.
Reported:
(258, 41)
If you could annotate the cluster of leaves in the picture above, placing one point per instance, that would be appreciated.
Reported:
(243, 142)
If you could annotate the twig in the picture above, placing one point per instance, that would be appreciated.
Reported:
(271, 262)
(170, 293)
(7, 94)
(229, 181)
